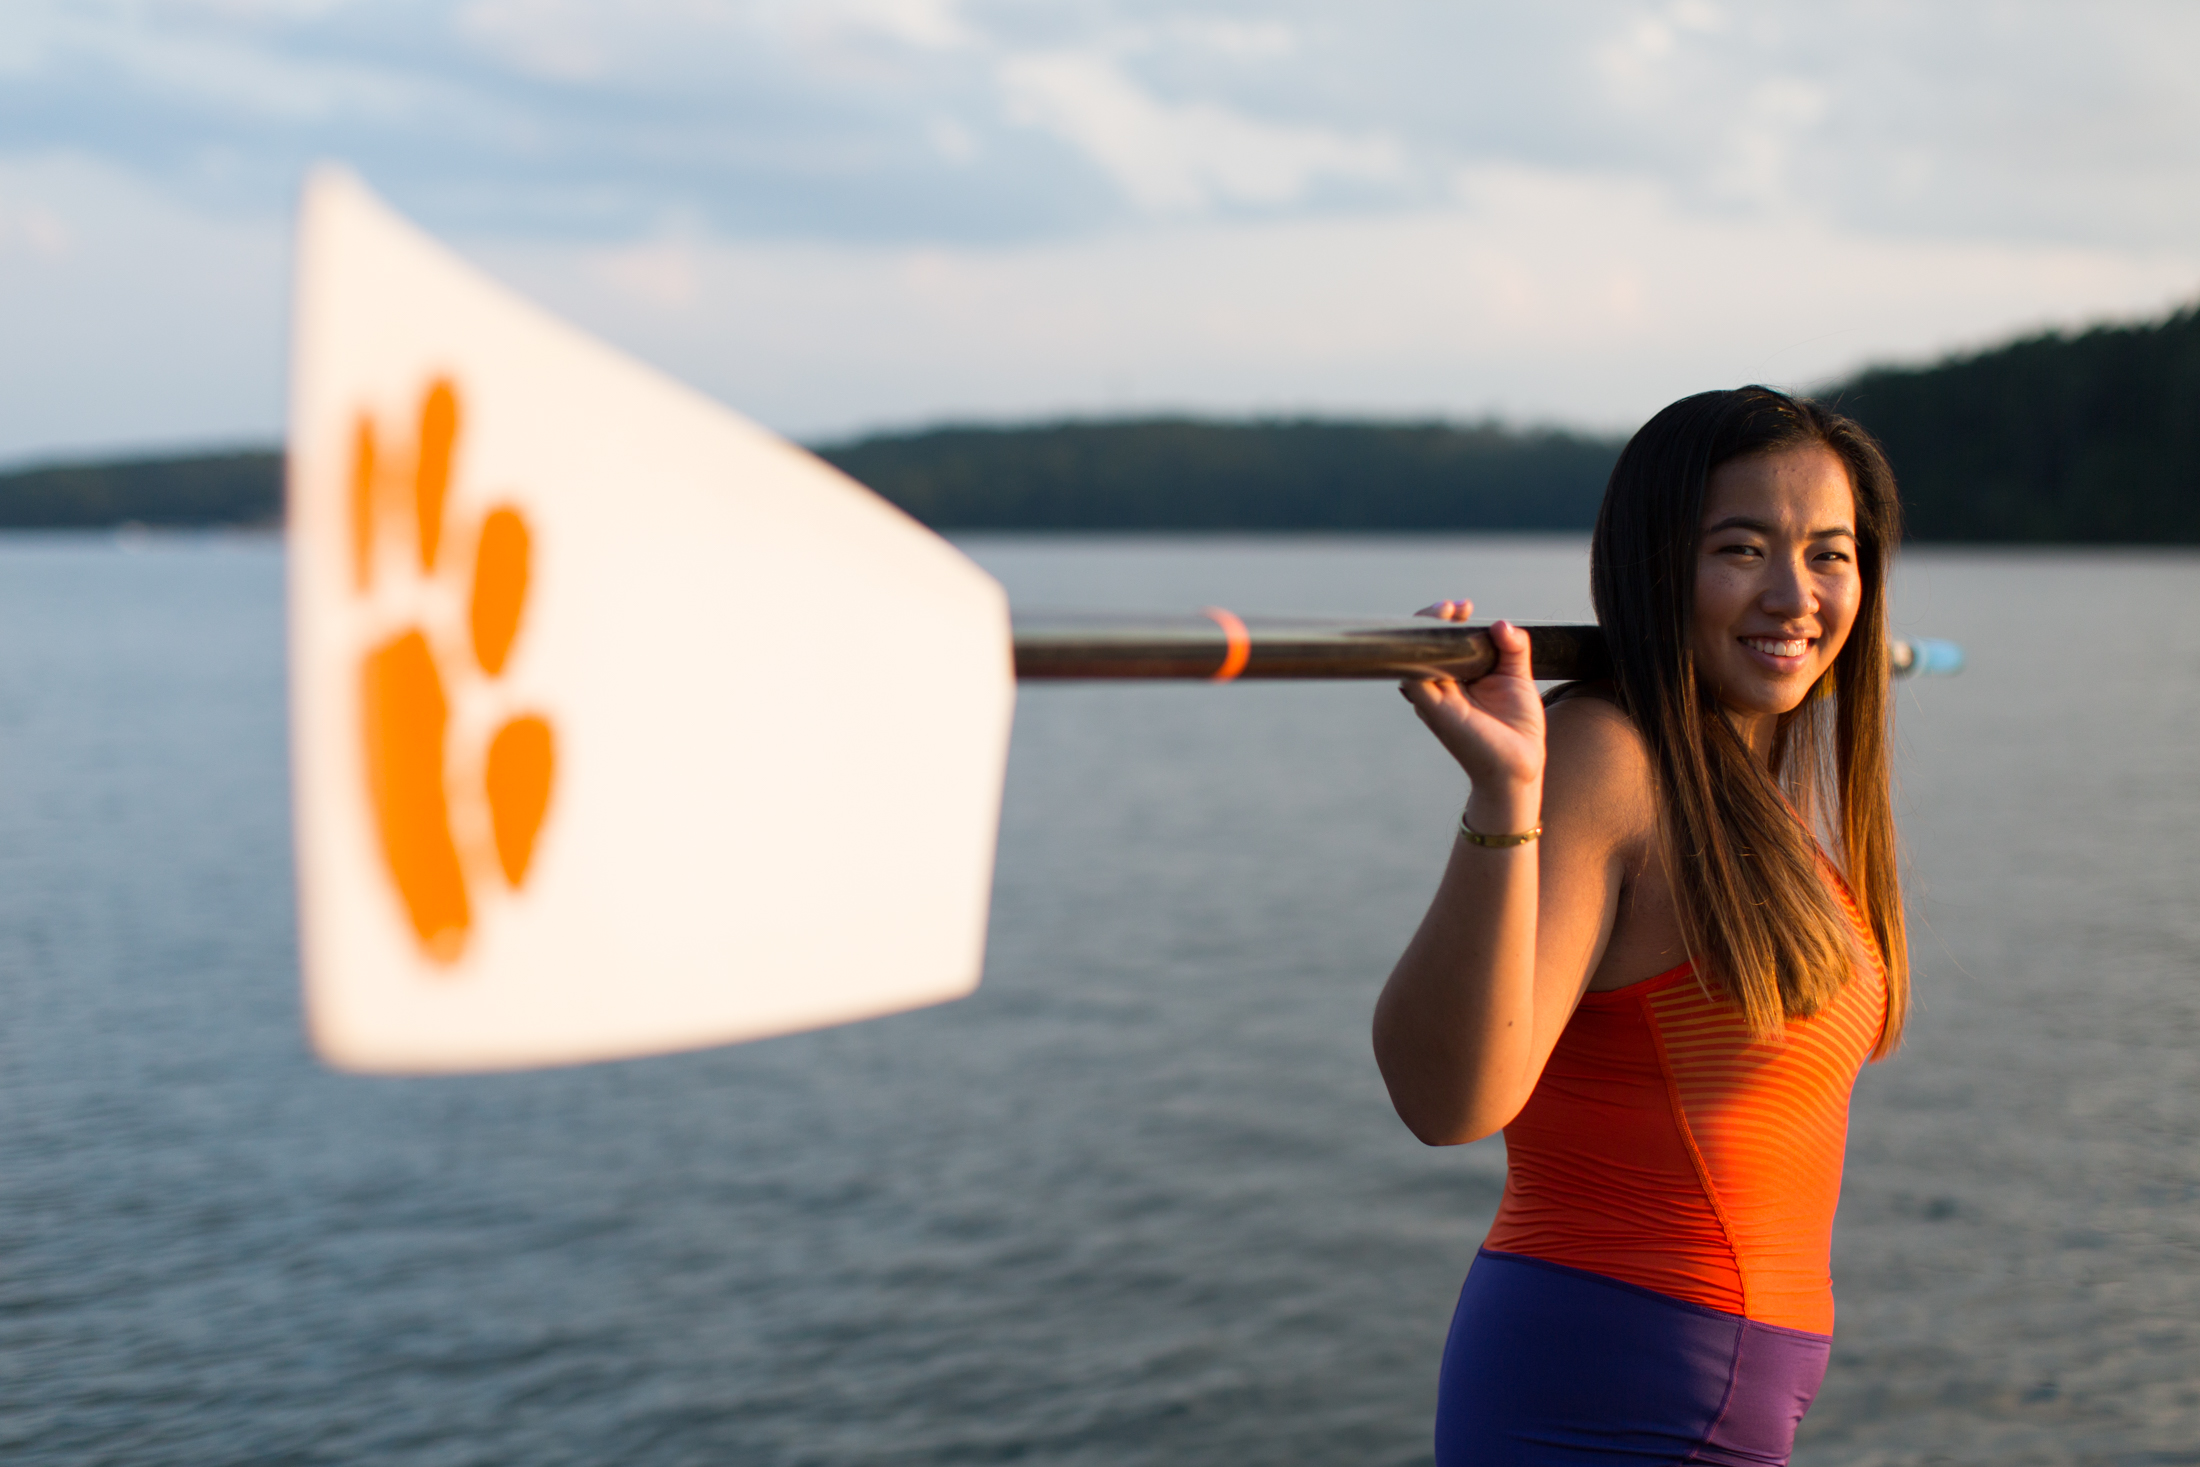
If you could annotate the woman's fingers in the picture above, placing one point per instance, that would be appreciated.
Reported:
(1459, 610)
(1514, 662)
(1441, 703)
(1428, 692)
(1512, 651)
(1494, 732)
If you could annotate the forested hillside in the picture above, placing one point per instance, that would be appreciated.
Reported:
(2093, 436)
(204, 489)
(1183, 474)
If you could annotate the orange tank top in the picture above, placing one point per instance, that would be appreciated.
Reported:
(1666, 1148)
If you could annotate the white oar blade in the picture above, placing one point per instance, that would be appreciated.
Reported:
(620, 725)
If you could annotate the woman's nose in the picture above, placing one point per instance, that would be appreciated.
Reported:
(1789, 591)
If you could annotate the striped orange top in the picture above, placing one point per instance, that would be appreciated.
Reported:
(1666, 1148)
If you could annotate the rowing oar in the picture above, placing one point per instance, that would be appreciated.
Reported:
(578, 774)
(1219, 646)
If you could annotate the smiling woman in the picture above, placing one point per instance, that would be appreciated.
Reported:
(1776, 583)
(1758, 761)
(1669, 936)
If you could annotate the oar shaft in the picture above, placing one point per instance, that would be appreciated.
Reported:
(1219, 647)
(1216, 646)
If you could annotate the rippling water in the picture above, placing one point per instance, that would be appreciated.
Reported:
(1140, 1200)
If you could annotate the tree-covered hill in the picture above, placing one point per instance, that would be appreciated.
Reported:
(2092, 436)
(1157, 474)
(1184, 474)
(2086, 437)
(203, 489)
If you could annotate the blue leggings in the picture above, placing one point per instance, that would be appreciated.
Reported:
(1548, 1366)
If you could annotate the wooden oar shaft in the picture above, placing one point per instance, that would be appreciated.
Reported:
(1216, 646)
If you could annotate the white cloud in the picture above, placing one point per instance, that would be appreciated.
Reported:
(1240, 40)
(248, 10)
(671, 41)
(934, 25)
(910, 207)
(1984, 118)
(1541, 296)
(1538, 294)
(1757, 162)
(557, 39)
(1182, 157)
(1636, 57)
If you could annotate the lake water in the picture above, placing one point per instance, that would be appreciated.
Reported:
(1141, 1200)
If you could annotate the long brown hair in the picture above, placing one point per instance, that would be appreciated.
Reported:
(1754, 909)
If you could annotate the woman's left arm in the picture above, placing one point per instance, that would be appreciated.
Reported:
(1508, 946)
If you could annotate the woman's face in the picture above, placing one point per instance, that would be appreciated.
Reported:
(1777, 582)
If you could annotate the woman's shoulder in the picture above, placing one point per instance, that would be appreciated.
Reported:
(1585, 722)
(1597, 760)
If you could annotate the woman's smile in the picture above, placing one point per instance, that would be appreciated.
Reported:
(1784, 656)
(1777, 583)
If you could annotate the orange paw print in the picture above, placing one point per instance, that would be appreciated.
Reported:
(449, 823)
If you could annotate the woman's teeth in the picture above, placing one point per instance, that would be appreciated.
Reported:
(1773, 648)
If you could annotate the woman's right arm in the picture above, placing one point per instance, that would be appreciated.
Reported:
(1475, 1006)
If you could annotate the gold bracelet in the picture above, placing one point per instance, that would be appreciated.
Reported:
(1495, 842)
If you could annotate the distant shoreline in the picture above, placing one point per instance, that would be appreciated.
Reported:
(2085, 438)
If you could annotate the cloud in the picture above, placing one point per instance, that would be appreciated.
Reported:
(560, 40)
(589, 41)
(1240, 40)
(1539, 296)
(910, 207)
(817, 118)
(1757, 158)
(932, 25)
(1170, 158)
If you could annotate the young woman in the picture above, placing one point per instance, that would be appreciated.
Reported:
(1669, 936)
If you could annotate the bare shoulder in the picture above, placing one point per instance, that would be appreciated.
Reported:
(1598, 776)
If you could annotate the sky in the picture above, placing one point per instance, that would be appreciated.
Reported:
(845, 215)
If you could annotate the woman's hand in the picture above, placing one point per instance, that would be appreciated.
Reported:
(1493, 726)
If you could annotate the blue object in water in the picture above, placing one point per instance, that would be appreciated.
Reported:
(1929, 656)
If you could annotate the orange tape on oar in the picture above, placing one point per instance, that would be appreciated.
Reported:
(1240, 650)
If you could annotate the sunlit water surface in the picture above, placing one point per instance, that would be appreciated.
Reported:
(1140, 1200)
